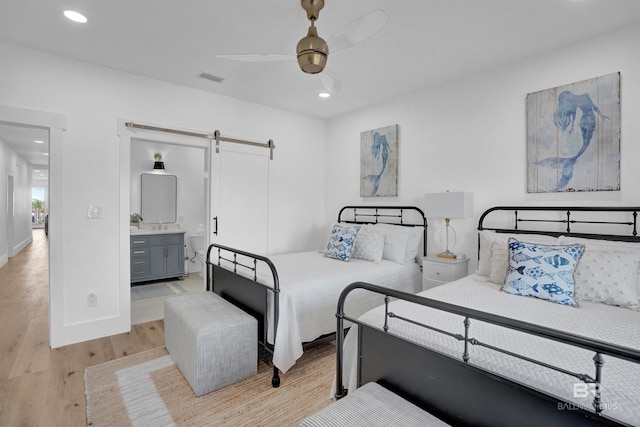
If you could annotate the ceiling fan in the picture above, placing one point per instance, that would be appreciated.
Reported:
(312, 51)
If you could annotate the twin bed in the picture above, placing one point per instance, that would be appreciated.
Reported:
(294, 296)
(471, 354)
(467, 352)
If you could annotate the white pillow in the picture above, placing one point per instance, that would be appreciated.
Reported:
(606, 246)
(414, 245)
(396, 234)
(369, 244)
(607, 277)
(395, 243)
(487, 237)
(499, 262)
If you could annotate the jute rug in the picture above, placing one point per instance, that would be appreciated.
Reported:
(147, 389)
(155, 290)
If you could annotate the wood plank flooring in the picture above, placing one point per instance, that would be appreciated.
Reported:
(40, 386)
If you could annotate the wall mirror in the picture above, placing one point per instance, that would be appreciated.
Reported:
(159, 193)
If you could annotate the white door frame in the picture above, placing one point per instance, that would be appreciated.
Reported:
(56, 124)
(10, 213)
(127, 134)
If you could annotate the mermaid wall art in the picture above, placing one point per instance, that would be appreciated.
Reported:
(379, 162)
(573, 137)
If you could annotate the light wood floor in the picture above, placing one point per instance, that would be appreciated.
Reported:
(40, 386)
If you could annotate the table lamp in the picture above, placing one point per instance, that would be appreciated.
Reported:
(449, 205)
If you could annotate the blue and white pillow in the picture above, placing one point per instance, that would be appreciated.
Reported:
(340, 245)
(544, 272)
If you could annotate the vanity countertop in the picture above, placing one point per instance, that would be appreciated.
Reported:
(147, 231)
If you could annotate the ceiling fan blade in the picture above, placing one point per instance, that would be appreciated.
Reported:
(259, 57)
(358, 31)
(331, 83)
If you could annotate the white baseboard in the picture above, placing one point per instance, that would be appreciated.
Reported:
(20, 246)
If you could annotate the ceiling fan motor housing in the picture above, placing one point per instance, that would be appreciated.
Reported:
(313, 8)
(312, 52)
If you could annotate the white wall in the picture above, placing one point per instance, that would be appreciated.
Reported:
(93, 99)
(470, 135)
(14, 165)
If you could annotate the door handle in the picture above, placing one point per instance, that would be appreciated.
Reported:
(215, 229)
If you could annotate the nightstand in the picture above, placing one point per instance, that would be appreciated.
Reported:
(438, 271)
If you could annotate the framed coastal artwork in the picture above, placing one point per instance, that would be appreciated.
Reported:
(379, 162)
(573, 137)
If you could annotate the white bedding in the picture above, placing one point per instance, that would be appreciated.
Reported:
(621, 326)
(310, 285)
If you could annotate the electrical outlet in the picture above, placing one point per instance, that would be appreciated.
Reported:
(92, 299)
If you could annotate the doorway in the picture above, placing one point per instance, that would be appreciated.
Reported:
(186, 165)
(240, 192)
(49, 128)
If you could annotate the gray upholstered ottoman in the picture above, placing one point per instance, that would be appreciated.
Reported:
(213, 342)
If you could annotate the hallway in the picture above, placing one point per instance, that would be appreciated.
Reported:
(40, 386)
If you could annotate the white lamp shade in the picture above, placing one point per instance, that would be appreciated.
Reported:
(449, 205)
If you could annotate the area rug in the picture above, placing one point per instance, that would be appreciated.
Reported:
(155, 290)
(148, 389)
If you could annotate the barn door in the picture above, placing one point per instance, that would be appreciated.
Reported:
(240, 196)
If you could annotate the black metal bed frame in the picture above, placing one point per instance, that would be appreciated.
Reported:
(252, 296)
(460, 393)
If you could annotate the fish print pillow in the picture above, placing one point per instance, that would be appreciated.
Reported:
(340, 243)
(544, 272)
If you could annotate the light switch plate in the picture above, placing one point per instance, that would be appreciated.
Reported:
(94, 212)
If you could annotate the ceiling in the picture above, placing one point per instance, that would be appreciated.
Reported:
(23, 141)
(424, 43)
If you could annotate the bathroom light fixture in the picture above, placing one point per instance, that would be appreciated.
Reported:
(449, 205)
(75, 16)
(159, 164)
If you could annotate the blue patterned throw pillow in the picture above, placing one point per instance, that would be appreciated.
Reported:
(340, 243)
(544, 272)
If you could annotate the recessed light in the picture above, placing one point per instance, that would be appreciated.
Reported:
(37, 141)
(45, 154)
(324, 94)
(75, 16)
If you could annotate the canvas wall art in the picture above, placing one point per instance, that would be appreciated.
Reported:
(573, 137)
(379, 162)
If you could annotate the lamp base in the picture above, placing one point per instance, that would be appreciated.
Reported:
(447, 255)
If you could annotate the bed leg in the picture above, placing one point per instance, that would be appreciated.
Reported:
(275, 381)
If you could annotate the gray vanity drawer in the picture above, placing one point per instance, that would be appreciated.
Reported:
(139, 241)
(139, 267)
(139, 252)
(166, 239)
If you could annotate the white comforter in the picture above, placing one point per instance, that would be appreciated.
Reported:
(620, 380)
(310, 285)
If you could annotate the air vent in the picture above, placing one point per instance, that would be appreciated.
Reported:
(210, 77)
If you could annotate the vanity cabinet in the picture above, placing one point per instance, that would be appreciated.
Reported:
(157, 256)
